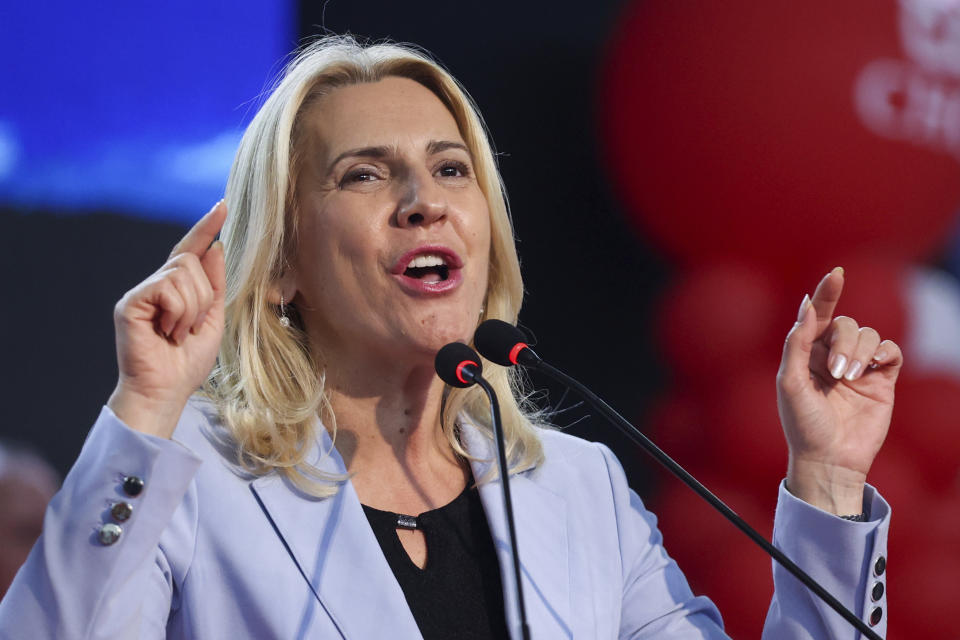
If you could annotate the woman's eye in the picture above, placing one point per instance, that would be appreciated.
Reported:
(359, 176)
(454, 170)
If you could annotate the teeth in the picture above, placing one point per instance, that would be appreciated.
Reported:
(429, 260)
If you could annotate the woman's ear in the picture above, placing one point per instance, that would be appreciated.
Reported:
(285, 286)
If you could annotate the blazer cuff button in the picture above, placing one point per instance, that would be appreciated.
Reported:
(121, 511)
(109, 533)
(132, 486)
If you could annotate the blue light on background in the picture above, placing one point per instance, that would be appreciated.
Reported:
(131, 107)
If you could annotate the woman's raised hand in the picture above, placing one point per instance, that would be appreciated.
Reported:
(835, 396)
(169, 329)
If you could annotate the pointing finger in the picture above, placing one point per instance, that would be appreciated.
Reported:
(825, 298)
(213, 267)
(795, 366)
(198, 239)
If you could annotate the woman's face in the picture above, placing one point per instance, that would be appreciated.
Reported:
(394, 233)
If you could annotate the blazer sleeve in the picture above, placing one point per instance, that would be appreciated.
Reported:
(847, 558)
(842, 555)
(75, 586)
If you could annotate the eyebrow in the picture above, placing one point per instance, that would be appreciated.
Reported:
(433, 147)
(439, 146)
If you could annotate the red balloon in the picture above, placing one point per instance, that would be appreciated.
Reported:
(924, 425)
(717, 559)
(749, 440)
(741, 585)
(693, 530)
(897, 473)
(785, 137)
(921, 591)
(873, 295)
(719, 318)
(943, 531)
(680, 427)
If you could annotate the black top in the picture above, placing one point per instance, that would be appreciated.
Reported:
(458, 594)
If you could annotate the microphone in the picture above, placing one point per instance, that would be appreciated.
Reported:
(459, 366)
(505, 344)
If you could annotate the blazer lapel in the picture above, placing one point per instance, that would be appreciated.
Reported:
(541, 520)
(337, 553)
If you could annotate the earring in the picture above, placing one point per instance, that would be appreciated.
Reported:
(284, 320)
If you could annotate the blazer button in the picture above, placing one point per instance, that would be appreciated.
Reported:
(875, 616)
(121, 511)
(109, 533)
(877, 592)
(132, 486)
(880, 566)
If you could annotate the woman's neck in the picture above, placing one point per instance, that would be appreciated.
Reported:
(390, 436)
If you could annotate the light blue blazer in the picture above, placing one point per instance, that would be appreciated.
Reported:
(212, 553)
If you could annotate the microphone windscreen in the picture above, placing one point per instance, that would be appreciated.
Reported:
(497, 341)
(451, 360)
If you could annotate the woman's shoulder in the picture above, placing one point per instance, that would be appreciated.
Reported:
(201, 429)
(568, 447)
(569, 459)
(199, 419)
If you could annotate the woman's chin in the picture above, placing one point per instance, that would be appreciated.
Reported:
(431, 338)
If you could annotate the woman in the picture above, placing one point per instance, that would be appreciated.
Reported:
(367, 227)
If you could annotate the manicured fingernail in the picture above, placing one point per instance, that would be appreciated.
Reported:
(839, 366)
(880, 357)
(803, 308)
(837, 270)
(853, 370)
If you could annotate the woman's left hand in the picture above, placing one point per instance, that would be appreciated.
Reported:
(835, 397)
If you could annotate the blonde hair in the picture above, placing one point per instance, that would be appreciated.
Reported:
(267, 385)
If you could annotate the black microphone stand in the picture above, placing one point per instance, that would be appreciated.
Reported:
(475, 376)
(529, 358)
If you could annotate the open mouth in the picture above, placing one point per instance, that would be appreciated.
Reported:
(428, 268)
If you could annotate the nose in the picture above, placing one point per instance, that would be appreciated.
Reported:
(422, 202)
